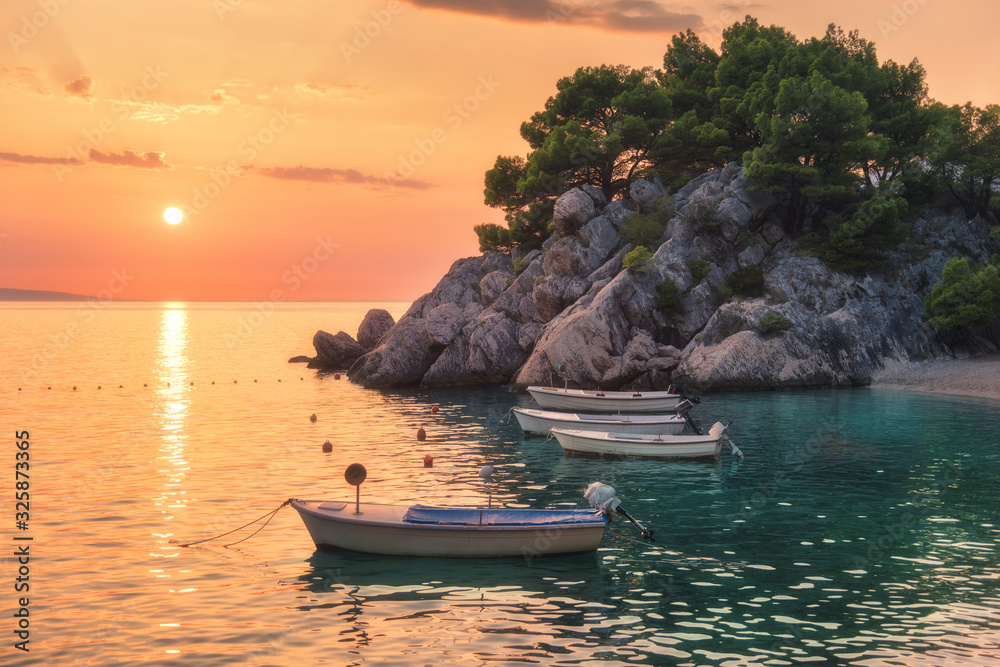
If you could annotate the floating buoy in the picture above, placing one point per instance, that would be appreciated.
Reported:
(336, 376)
(234, 381)
(213, 382)
(74, 387)
(428, 461)
(421, 434)
(50, 388)
(312, 418)
(327, 446)
(192, 383)
(486, 472)
(120, 387)
(98, 386)
(435, 409)
(255, 380)
(143, 384)
(19, 389)
(279, 379)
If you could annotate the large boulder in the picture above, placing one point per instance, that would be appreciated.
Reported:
(375, 325)
(335, 352)
(572, 210)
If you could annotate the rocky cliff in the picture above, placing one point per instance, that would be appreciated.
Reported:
(514, 319)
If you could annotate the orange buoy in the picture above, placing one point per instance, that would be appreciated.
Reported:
(336, 376)
(435, 409)
(327, 446)
(312, 418)
(421, 434)
(428, 461)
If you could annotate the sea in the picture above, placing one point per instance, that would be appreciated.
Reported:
(861, 526)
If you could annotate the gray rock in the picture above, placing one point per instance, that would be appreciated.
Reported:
(645, 193)
(375, 325)
(443, 323)
(572, 210)
(618, 211)
(493, 284)
(597, 194)
(335, 352)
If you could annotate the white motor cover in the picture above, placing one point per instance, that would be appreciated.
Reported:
(602, 497)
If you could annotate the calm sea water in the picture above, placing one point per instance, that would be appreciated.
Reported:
(861, 527)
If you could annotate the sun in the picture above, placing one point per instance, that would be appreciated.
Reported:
(173, 215)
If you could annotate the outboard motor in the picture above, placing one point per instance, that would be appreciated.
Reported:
(683, 410)
(674, 389)
(602, 497)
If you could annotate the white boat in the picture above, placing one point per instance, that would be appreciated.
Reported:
(635, 444)
(418, 530)
(595, 400)
(540, 421)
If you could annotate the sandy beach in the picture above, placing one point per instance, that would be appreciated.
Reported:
(978, 376)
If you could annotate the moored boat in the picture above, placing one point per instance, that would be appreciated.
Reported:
(469, 532)
(595, 400)
(540, 421)
(634, 444)
(417, 530)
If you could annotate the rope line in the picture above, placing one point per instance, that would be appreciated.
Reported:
(268, 514)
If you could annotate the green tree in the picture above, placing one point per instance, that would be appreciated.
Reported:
(966, 156)
(813, 145)
(602, 127)
(964, 298)
(861, 243)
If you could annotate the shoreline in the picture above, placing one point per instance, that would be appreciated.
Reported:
(974, 376)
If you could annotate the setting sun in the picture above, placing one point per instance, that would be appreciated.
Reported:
(173, 215)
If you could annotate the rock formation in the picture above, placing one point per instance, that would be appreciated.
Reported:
(513, 319)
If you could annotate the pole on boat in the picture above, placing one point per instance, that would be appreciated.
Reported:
(486, 474)
(355, 475)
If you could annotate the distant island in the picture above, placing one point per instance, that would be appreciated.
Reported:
(10, 294)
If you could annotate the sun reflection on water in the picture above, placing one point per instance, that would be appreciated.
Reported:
(172, 369)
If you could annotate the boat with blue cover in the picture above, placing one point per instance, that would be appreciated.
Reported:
(428, 530)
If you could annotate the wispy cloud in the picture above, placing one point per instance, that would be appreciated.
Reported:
(617, 15)
(80, 87)
(24, 79)
(33, 159)
(159, 112)
(147, 160)
(222, 96)
(331, 175)
(335, 93)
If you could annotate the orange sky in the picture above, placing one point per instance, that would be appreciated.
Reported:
(319, 162)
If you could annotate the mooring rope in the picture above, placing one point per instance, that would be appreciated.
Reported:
(269, 515)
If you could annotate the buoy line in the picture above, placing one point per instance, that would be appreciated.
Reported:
(145, 385)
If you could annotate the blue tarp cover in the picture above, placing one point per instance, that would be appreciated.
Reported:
(462, 516)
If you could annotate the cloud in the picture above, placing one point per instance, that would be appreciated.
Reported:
(159, 112)
(331, 175)
(80, 87)
(24, 79)
(336, 93)
(32, 159)
(220, 96)
(617, 15)
(148, 160)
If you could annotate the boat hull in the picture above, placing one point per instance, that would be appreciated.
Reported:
(623, 444)
(585, 400)
(540, 421)
(381, 529)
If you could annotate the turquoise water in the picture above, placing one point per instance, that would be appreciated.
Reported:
(861, 527)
